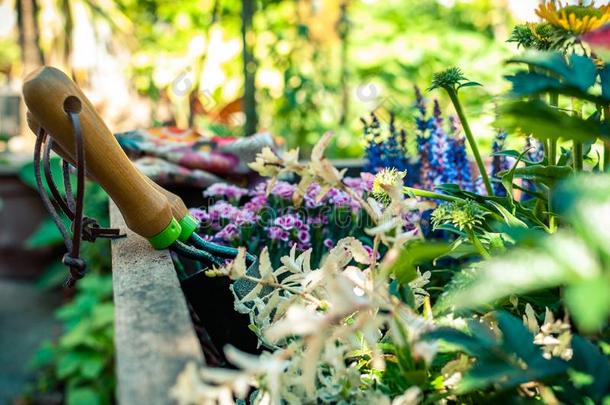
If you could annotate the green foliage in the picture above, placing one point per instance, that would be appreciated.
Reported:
(82, 360)
(463, 215)
(452, 78)
(577, 259)
(510, 358)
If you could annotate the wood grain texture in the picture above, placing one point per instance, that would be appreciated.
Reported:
(146, 211)
(154, 335)
(179, 209)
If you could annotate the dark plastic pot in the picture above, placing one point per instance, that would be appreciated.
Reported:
(212, 301)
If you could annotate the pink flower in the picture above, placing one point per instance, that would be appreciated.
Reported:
(369, 250)
(277, 233)
(228, 233)
(283, 190)
(225, 190)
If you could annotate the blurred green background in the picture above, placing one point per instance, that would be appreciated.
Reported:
(295, 68)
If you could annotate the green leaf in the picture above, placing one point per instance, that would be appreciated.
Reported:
(54, 275)
(589, 302)
(469, 84)
(548, 175)
(44, 356)
(580, 74)
(403, 292)
(463, 341)
(588, 359)
(515, 155)
(507, 181)
(516, 337)
(69, 363)
(45, 235)
(526, 83)
(82, 396)
(509, 218)
(92, 366)
(26, 175)
(562, 258)
(551, 61)
(583, 72)
(604, 75)
(416, 253)
(544, 122)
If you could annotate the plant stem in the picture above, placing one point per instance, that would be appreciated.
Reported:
(473, 145)
(607, 143)
(577, 145)
(554, 102)
(478, 245)
(430, 194)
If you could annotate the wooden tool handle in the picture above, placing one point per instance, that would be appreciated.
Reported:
(179, 209)
(146, 211)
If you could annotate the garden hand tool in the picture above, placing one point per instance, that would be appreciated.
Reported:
(180, 212)
(59, 108)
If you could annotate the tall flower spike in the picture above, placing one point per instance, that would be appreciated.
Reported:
(373, 151)
(535, 153)
(452, 80)
(437, 147)
(459, 163)
(393, 153)
(423, 124)
(499, 163)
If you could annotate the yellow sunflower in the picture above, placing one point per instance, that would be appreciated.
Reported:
(577, 19)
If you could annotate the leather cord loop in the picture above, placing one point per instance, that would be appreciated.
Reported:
(83, 228)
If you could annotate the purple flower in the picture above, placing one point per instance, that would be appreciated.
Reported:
(311, 196)
(358, 184)
(277, 233)
(317, 220)
(199, 214)
(283, 190)
(222, 210)
(257, 203)
(367, 181)
(286, 222)
(303, 236)
(245, 216)
(299, 224)
(228, 233)
(369, 250)
(328, 243)
(225, 190)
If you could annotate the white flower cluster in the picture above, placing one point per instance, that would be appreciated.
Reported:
(323, 329)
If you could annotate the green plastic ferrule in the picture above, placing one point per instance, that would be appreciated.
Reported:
(167, 236)
(189, 224)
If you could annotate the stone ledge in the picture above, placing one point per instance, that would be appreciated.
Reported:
(154, 335)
